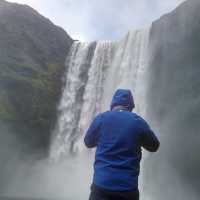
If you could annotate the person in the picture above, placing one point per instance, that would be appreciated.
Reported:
(118, 136)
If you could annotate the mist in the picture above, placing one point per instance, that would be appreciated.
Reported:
(42, 179)
(25, 176)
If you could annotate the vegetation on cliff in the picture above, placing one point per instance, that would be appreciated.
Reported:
(32, 57)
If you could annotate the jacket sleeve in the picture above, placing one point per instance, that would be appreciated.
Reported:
(92, 133)
(148, 139)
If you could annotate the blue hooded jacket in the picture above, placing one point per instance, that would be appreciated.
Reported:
(119, 135)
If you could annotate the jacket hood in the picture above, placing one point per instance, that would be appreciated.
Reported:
(124, 98)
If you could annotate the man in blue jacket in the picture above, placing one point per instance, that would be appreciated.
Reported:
(118, 135)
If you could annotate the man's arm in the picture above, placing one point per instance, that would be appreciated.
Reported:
(148, 139)
(92, 133)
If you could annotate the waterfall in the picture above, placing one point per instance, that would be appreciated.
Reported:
(129, 67)
(93, 72)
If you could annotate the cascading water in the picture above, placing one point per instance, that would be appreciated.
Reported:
(94, 71)
(129, 67)
(77, 64)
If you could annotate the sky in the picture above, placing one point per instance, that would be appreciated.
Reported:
(89, 20)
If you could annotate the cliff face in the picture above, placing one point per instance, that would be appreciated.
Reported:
(174, 103)
(32, 57)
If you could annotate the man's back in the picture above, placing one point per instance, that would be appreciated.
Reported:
(118, 151)
(119, 135)
(119, 140)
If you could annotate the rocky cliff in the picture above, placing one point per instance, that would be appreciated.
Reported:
(174, 103)
(32, 56)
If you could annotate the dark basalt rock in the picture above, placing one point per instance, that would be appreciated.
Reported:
(174, 103)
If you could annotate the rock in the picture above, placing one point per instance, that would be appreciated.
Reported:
(174, 102)
(32, 57)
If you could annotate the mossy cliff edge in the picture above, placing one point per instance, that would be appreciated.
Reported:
(32, 57)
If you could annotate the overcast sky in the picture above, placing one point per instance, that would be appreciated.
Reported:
(89, 20)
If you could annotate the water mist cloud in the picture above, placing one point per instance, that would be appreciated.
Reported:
(45, 179)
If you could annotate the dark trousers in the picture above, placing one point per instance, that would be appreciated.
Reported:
(98, 193)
